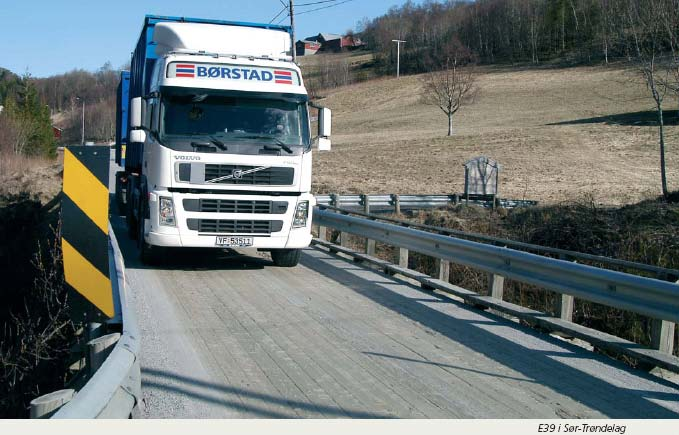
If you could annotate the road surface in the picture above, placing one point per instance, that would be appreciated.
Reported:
(230, 336)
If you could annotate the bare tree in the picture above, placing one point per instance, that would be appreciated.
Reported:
(449, 89)
(650, 42)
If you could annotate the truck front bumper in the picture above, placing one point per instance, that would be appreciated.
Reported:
(182, 236)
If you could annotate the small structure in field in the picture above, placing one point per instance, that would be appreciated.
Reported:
(481, 176)
(306, 48)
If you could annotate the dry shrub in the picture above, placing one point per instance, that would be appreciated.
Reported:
(36, 331)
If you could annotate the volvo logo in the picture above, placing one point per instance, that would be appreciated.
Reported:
(237, 173)
(187, 157)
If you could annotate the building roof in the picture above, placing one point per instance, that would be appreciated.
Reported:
(329, 36)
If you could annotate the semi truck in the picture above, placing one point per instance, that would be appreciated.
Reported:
(214, 138)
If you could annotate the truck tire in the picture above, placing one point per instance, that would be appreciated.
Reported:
(286, 257)
(120, 199)
(148, 254)
(131, 223)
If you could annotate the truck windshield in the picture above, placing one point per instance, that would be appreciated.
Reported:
(233, 124)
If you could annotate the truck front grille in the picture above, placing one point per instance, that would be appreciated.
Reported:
(235, 206)
(240, 174)
(222, 226)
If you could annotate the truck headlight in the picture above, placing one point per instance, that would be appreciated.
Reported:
(301, 214)
(166, 212)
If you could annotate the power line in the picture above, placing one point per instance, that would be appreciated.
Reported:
(324, 7)
(317, 3)
(283, 19)
(279, 14)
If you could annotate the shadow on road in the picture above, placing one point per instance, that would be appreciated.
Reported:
(543, 367)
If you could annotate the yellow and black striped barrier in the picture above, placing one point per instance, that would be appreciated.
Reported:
(84, 212)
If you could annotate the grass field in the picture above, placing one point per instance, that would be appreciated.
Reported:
(559, 134)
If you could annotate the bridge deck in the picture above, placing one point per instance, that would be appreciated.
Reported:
(237, 337)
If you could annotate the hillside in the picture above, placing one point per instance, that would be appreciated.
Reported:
(559, 134)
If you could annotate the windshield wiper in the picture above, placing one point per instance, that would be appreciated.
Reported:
(218, 142)
(209, 145)
(203, 147)
(278, 142)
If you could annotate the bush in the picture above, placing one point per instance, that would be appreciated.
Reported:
(36, 331)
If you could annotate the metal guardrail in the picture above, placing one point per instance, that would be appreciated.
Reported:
(115, 389)
(414, 202)
(647, 296)
(562, 254)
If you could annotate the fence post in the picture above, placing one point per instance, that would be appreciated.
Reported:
(444, 270)
(496, 285)
(396, 200)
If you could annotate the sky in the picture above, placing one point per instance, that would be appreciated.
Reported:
(47, 37)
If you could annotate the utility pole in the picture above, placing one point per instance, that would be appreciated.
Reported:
(82, 142)
(398, 56)
(292, 25)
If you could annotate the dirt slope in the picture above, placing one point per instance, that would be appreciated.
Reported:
(558, 133)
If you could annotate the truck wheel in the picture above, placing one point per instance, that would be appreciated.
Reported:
(286, 257)
(131, 223)
(148, 254)
(120, 199)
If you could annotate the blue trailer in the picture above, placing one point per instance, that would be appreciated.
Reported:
(122, 109)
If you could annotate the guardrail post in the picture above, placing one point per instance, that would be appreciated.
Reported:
(456, 199)
(45, 406)
(369, 243)
(334, 200)
(496, 286)
(444, 270)
(566, 302)
(565, 307)
(396, 200)
(662, 335)
(322, 232)
(100, 348)
(403, 257)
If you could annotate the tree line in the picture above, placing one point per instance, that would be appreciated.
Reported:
(25, 125)
(65, 94)
(32, 106)
(515, 31)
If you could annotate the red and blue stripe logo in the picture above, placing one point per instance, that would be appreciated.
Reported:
(283, 77)
(185, 70)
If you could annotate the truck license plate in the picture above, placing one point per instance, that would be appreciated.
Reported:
(233, 242)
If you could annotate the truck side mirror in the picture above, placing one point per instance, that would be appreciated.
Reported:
(137, 136)
(324, 129)
(135, 113)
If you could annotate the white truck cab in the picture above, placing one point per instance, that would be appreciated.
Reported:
(226, 160)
